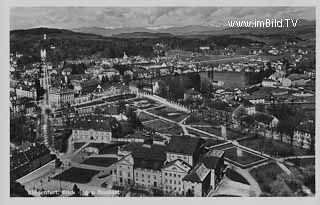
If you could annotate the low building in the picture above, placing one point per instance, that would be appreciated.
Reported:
(297, 79)
(268, 83)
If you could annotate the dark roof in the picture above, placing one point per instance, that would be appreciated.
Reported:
(139, 150)
(148, 163)
(174, 161)
(184, 144)
(197, 174)
(211, 158)
(264, 118)
(295, 76)
(98, 123)
(192, 91)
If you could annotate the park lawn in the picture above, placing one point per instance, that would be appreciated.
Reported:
(158, 124)
(211, 130)
(265, 175)
(176, 130)
(77, 175)
(273, 147)
(246, 158)
(78, 145)
(145, 117)
(170, 113)
(100, 161)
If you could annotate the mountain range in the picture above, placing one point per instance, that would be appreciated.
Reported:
(303, 27)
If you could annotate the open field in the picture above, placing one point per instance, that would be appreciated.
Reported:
(77, 175)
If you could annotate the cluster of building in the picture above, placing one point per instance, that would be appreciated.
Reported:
(183, 167)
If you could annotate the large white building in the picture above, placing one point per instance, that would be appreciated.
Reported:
(93, 129)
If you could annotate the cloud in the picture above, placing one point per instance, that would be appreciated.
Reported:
(73, 17)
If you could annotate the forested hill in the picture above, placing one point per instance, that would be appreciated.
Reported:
(69, 44)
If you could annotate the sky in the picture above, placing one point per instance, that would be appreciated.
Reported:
(148, 17)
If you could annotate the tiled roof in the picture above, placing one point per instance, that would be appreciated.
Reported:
(143, 163)
(211, 158)
(98, 123)
(197, 174)
(184, 144)
(264, 118)
(139, 150)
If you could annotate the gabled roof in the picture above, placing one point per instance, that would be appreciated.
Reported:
(197, 174)
(182, 165)
(211, 158)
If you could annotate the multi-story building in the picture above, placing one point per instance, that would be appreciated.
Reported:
(93, 129)
(59, 97)
(185, 148)
(172, 174)
(206, 175)
(304, 135)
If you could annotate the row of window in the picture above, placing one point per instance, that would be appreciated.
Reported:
(170, 174)
(174, 181)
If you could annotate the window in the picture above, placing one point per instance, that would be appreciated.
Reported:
(136, 174)
(174, 181)
(165, 180)
(120, 179)
(165, 174)
(170, 181)
(179, 175)
(142, 175)
(154, 177)
(128, 174)
(170, 174)
(120, 173)
(148, 176)
(174, 175)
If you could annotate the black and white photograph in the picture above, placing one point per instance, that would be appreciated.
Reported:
(162, 101)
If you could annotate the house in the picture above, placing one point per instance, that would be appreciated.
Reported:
(185, 148)
(192, 94)
(268, 83)
(87, 86)
(266, 121)
(172, 174)
(304, 135)
(206, 175)
(297, 79)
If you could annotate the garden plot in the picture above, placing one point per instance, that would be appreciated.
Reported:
(169, 113)
(158, 125)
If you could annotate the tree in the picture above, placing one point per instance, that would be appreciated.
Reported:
(280, 188)
(76, 190)
(133, 118)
